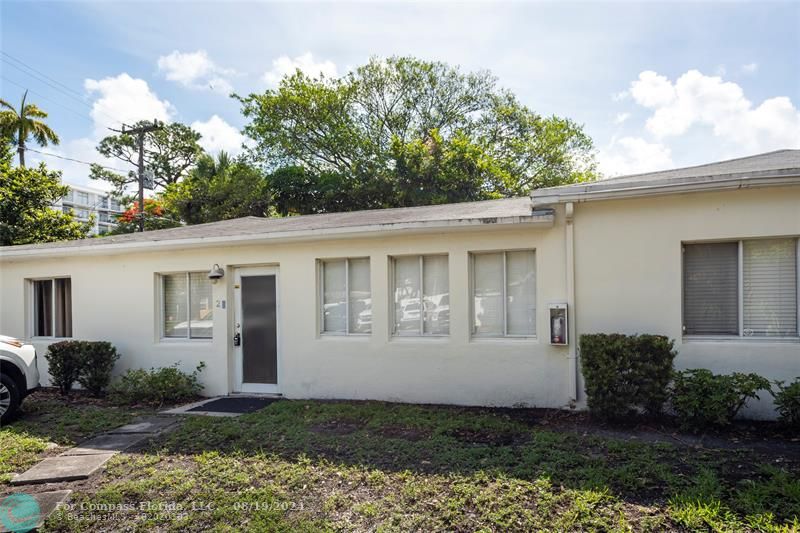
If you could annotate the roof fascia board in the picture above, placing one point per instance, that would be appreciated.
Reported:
(351, 232)
(641, 189)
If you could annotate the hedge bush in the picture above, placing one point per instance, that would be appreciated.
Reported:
(64, 361)
(626, 374)
(701, 398)
(97, 362)
(787, 402)
(156, 386)
(88, 362)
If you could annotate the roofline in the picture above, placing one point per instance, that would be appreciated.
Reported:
(636, 189)
(543, 219)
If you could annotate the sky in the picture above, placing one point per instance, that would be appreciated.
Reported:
(655, 84)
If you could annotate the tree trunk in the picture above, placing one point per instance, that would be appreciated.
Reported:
(21, 152)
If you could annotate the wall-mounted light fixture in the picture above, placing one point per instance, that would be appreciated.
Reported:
(216, 273)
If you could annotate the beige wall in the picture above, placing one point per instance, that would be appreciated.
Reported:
(114, 298)
(628, 271)
(627, 279)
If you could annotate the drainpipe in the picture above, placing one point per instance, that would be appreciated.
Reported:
(572, 326)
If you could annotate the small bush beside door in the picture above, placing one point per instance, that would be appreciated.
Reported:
(156, 386)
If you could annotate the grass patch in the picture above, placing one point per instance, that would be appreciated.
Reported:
(47, 421)
(363, 466)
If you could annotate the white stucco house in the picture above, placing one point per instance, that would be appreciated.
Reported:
(475, 303)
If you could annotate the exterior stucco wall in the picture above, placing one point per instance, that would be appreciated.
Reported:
(115, 299)
(629, 271)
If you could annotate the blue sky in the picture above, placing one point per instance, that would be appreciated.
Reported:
(656, 85)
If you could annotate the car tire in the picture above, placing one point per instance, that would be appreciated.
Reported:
(9, 398)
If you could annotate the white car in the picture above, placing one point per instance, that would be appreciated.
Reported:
(19, 375)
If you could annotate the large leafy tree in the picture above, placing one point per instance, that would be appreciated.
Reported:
(18, 125)
(169, 153)
(27, 196)
(403, 131)
(219, 189)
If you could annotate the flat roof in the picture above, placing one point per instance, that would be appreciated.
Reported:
(781, 167)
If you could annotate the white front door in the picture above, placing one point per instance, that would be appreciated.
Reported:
(256, 326)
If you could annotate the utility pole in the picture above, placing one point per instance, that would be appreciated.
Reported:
(140, 132)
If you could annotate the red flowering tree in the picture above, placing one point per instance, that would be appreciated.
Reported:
(156, 216)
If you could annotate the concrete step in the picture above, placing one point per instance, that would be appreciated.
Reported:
(62, 468)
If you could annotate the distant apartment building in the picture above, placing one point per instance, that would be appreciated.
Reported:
(86, 201)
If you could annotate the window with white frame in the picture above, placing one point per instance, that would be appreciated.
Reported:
(746, 288)
(504, 294)
(346, 297)
(187, 307)
(421, 295)
(52, 307)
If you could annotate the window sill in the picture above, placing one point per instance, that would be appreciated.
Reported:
(344, 336)
(513, 339)
(736, 339)
(419, 338)
(46, 339)
(175, 340)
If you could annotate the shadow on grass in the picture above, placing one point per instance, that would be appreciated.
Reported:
(703, 487)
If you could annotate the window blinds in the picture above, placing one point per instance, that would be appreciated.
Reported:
(334, 315)
(710, 289)
(359, 297)
(770, 287)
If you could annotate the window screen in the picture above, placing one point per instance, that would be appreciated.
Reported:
(421, 295)
(770, 287)
(504, 294)
(346, 296)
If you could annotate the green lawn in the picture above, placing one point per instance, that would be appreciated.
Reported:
(364, 466)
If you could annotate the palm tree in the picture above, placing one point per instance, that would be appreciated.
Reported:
(19, 125)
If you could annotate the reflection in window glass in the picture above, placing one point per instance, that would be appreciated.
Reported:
(421, 295)
(201, 317)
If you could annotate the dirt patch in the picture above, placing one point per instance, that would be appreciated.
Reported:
(406, 433)
(489, 437)
(337, 427)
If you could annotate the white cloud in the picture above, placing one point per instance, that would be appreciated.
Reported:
(195, 70)
(306, 63)
(631, 155)
(652, 90)
(620, 96)
(621, 117)
(124, 99)
(695, 99)
(219, 135)
(749, 68)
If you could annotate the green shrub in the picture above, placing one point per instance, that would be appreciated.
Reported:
(97, 362)
(88, 362)
(64, 362)
(156, 386)
(626, 374)
(787, 402)
(701, 398)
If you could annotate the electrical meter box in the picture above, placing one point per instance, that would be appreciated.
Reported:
(558, 324)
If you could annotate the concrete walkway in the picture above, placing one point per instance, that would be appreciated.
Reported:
(85, 459)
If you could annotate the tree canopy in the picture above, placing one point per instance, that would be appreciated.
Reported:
(219, 189)
(403, 131)
(27, 196)
(169, 153)
(17, 125)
